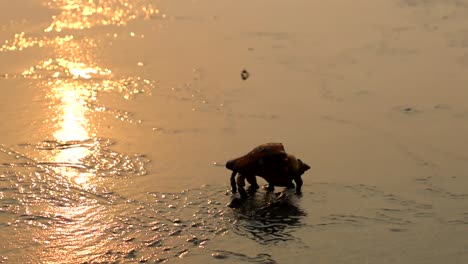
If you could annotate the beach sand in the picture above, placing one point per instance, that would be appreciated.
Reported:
(117, 120)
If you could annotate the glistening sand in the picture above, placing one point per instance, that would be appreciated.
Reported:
(117, 119)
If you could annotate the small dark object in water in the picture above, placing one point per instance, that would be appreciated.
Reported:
(408, 109)
(244, 75)
(271, 162)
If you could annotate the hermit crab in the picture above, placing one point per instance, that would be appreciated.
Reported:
(271, 162)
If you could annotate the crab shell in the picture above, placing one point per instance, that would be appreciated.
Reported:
(258, 159)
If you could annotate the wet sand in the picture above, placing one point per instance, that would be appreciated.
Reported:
(117, 120)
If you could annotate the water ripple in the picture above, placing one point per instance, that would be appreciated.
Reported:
(70, 222)
(269, 218)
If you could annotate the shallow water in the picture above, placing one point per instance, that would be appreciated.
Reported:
(117, 119)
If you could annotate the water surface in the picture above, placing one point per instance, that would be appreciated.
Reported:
(117, 117)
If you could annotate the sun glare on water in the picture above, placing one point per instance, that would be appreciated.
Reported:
(73, 126)
(71, 159)
(83, 14)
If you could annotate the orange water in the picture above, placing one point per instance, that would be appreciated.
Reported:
(118, 116)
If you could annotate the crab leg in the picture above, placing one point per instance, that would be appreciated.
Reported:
(241, 184)
(233, 182)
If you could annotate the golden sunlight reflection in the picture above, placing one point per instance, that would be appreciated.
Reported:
(71, 89)
(76, 238)
(73, 81)
(72, 162)
(72, 128)
(21, 42)
(82, 14)
(65, 68)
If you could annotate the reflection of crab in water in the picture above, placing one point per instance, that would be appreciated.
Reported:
(271, 162)
(267, 218)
